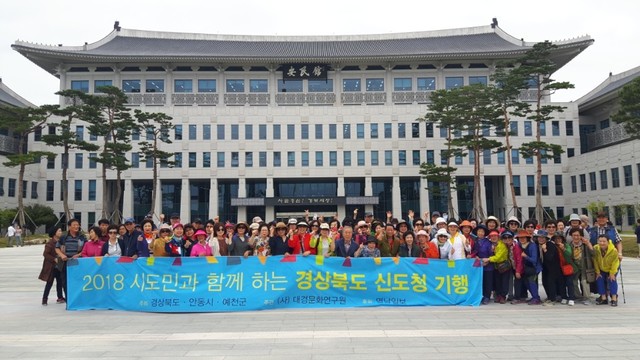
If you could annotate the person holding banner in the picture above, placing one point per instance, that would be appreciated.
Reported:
(144, 243)
(159, 244)
(369, 250)
(201, 248)
(175, 246)
(409, 248)
(261, 241)
(482, 251)
(114, 246)
(429, 249)
(324, 244)
(443, 244)
(93, 247)
(499, 260)
(278, 244)
(346, 246)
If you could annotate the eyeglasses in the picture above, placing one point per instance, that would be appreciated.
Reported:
(113, 232)
(530, 226)
(315, 226)
(220, 230)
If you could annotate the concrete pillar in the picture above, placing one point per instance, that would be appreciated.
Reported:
(157, 210)
(395, 196)
(213, 198)
(185, 202)
(424, 198)
(127, 197)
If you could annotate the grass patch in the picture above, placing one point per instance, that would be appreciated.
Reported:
(629, 246)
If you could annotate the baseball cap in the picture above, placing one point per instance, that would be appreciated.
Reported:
(128, 220)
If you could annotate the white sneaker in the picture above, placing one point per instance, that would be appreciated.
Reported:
(571, 302)
(564, 301)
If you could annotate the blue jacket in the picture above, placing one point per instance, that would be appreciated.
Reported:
(483, 250)
(609, 230)
(130, 241)
(533, 256)
(341, 251)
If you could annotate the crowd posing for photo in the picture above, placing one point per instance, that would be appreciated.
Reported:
(572, 260)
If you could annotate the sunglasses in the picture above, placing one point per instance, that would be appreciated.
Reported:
(530, 226)
(113, 232)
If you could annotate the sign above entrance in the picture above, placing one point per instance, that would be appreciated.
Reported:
(325, 200)
(305, 71)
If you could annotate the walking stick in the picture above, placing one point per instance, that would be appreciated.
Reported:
(624, 299)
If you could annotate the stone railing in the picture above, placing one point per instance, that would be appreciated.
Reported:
(9, 145)
(189, 99)
(366, 98)
(146, 99)
(528, 95)
(315, 98)
(611, 135)
(258, 99)
(409, 97)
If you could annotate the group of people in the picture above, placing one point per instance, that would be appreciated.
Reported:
(573, 259)
(14, 234)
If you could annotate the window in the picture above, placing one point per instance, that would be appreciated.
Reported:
(515, 156)
(206, 159)
(350, 85)
(604, 124)
(571, 152)
(402, 84)
(291, 132)
(192, 160)
(415, 157)
(516, 185)
(79, 132)
(97, 84)
(559, 188)
(235, 86)
(319, 159)
(154, 86)
(628, 176)
(374, 131)
(569, 128)
(346, 131)
(25, 185)
(80, 85)
(592, 181)
(375, 84)
(206, 132)
(34, 190)
(294, 86)
(360, 155)
(574, 184)
(333, 158)
(277, 132)
(555, 128)
(259, 85)
(615, 177)
(360, 131)
(291, 159)
(135, 134)
(262, 159)
(347, 158)
(513, 128)
(402, 130)
(304, 159)
(262, 132)
(486, 157)
(192, 132)
(79, 160)
(528, 130)
(604, 184)
(207, 85)
(235, 132)
(545, 184)
(482, 80)
(92, 190)
(320, 85)
(402, 157)
(149, 162)
(501, 160)
(248, 131)
(50, 190)
(530, 185)
(332, 131)
(388, 158)
(183, 86)
(248, 159)
(374, 158)
(235, 159)
(177, 160)
(387, 131)
(415, 130)
(177, 132)
(304, 131)
(431, 157)
(472, 158)
(528, 160)
(77, 192)
(583, 182)
(92, 160)
(543, 128)
(453, 82)
(131, 86)
(429, 130)
(135, 160)
(426, 84)
(277, 160)
(220, 130)
(443, 157)
(458, 160)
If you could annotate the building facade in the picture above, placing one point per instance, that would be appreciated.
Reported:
(272, 126)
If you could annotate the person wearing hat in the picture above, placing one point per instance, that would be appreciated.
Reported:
(492, 223)
(261, 240)
(299, 242)
(174, 219)
(388, 241)
(130, 238)
(458, 241)
(278, 244)
(323, 243)
(346, 246)
(582, 252)
(514, 253)
(466, 229)
(201, 248)
(606, 263)
(513, 224)
(532, 266)
(434, 217)
(440, 223)
(445, 248)
(175, 246)
(429, 249)
(369, 250)
(603, 227)
(565, 286)
(158, 245)
(500, 263)
(368, 217)
(240, 244)
(292, 226)
(363, 232)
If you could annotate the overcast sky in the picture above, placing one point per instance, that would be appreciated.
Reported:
(613, 24)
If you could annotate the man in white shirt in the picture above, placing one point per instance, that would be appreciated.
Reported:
(11, 234)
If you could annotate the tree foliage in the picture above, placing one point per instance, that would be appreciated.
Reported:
(629, 113)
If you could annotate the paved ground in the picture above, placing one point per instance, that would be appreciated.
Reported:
(29, 330)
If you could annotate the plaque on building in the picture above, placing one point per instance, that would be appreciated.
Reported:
(305, 71)
(307, 201)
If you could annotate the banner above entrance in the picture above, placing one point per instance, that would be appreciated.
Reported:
(294, 200)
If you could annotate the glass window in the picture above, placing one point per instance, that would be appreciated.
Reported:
(555, 128)
(262, 132)
(443, 157)
(571, 152)
(304, 159)
(131, 86)
(628, 176)
(207, 85)
(262, 159)
(543, 128)
(415, 130)
(290, 86)
(206, 132)
(426, 83)
(443, 132)
(248, 131)
(350, 85)
(360, 131)
(515, 156)
(360, 155)
(472, 158)
(333, 158)
(545, 184)
(220, 130)
(304, 131)
(235, 86)
(192, 132)
(177, 160)
(347, 158)
(501, 160)
(291, 131)
(320, 85)
(416, 157)
(530, 187)
(318, 131)
(569, 128)
(374, 131)
(513, 126)
(248, 159)
(258, 85)
(12, 188)
(149, 162)
(220, 162)
(458, 160)
(92, 160)
(604, 124)
(51, 163)
(604, 184)
(34, 189)
(206, 159)
(319, 160)
(192, 160)
(79, 132)
(374, 158)
(387, 131)
(77, 193)
(486, 157)
(177, 132)
(429, 129)
(592, 181)
(431, 157)
(80, 85)
(482, 80)
(154, 86)
(97, 84)
(235, 132)
(375, 84)
(183, 85)
(388, 158)
(615, 177)
(528, 130)
(235, 159)
(453, 82)
(402, 84)
(332, 131)
(528, 160)
(583, 182)
(135, 160)
(50, 190)
(277, 132)
(79, 160)
(559, 189)
(402, 157)
(346, 131)
(516, 185)
(291, 159)
(402, 130)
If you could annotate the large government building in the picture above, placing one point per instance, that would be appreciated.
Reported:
(272, 126)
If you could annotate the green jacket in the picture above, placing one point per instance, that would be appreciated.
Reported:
(501, 253)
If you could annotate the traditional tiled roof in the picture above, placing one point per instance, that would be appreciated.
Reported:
(130, 46)
(9, 97)
(608, 87)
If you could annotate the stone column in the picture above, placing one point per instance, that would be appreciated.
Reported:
(127, 197)
(213, 198)
(185, 202)
(395, 196)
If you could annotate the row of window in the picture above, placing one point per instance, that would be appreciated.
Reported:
(603, 176)
(12, 188)
(77, 190)
(262, 85)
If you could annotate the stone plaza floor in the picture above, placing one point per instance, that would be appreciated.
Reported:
(29, 330)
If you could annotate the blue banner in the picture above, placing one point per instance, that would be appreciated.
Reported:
(209, 284)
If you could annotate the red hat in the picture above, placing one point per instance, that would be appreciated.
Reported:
(494, 232)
